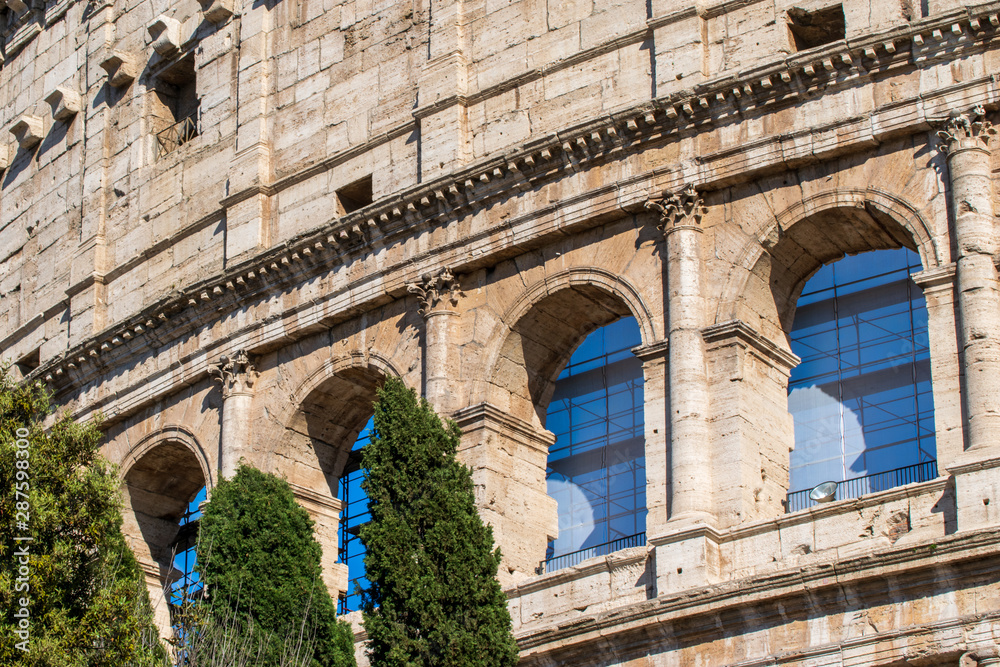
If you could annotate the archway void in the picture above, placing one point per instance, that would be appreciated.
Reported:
(861, 398)
(596, 468)
(160, 488)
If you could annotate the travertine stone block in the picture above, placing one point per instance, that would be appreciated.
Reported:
(121, 68)
(65, 103)
(28, 130)
(166, 35)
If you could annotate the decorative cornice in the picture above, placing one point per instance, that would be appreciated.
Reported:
(436, 293)
(966, 129)
(236, 374)
(683, 208)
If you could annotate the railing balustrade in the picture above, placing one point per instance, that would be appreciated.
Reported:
(576, 557)
(859, 486)
(177, 135)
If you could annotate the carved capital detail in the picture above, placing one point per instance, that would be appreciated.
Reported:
(436, 292)
(236, 374)
(961, 127)
(681, 208)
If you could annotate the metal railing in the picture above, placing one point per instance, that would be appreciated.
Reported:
(576, 557)
(177, 135)
(859, 486)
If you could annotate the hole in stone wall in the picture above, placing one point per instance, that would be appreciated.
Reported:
(814, 28)
(29, 362)
(354, 196)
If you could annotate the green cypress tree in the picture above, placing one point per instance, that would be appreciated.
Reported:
(261, 566)
(86, 596)
(433, 600)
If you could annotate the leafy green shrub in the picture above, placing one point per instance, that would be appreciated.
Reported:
(261, 566)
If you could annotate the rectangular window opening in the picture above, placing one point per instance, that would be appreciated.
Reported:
(175, 105)
(814, 28)
(352, 197)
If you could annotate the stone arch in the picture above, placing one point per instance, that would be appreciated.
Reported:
(161, 474)
(763, 284)
(332, 404)
(540, 329)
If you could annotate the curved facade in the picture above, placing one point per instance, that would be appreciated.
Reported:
(223, 223)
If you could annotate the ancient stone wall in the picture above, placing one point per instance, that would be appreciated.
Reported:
(223, 223)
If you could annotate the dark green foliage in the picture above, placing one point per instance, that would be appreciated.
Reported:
(88, 601)
(434, 600)
(260, 562)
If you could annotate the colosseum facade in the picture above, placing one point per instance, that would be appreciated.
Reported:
(668, 265)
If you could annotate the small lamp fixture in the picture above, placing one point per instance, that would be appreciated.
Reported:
(823, 493)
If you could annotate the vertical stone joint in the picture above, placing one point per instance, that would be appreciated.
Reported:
(236, 374)
(685, 207)
(436, 292)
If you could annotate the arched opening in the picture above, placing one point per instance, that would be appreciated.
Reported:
(596, 467)
(160, 487)
(323, 446)
(861, 397)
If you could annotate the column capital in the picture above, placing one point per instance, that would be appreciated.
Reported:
(236, 374)
(436, 292)
(966, 129)
(680, 209)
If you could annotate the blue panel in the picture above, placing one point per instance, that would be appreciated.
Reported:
(860, 399)
(596, 468)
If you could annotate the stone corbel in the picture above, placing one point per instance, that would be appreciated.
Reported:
(217, 11)
(683, 208)
(166, 34)
(65, 103)
(16, 6)
(28, 131)
(438, 292)
(236, 374)
(120, 67)
(4, 157)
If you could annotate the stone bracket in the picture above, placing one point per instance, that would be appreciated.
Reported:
(65, 103)
(28, 131)
(120, 67)
(166, 34)
(217, 11)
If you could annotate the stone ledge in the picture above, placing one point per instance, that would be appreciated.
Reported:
(977, 550)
